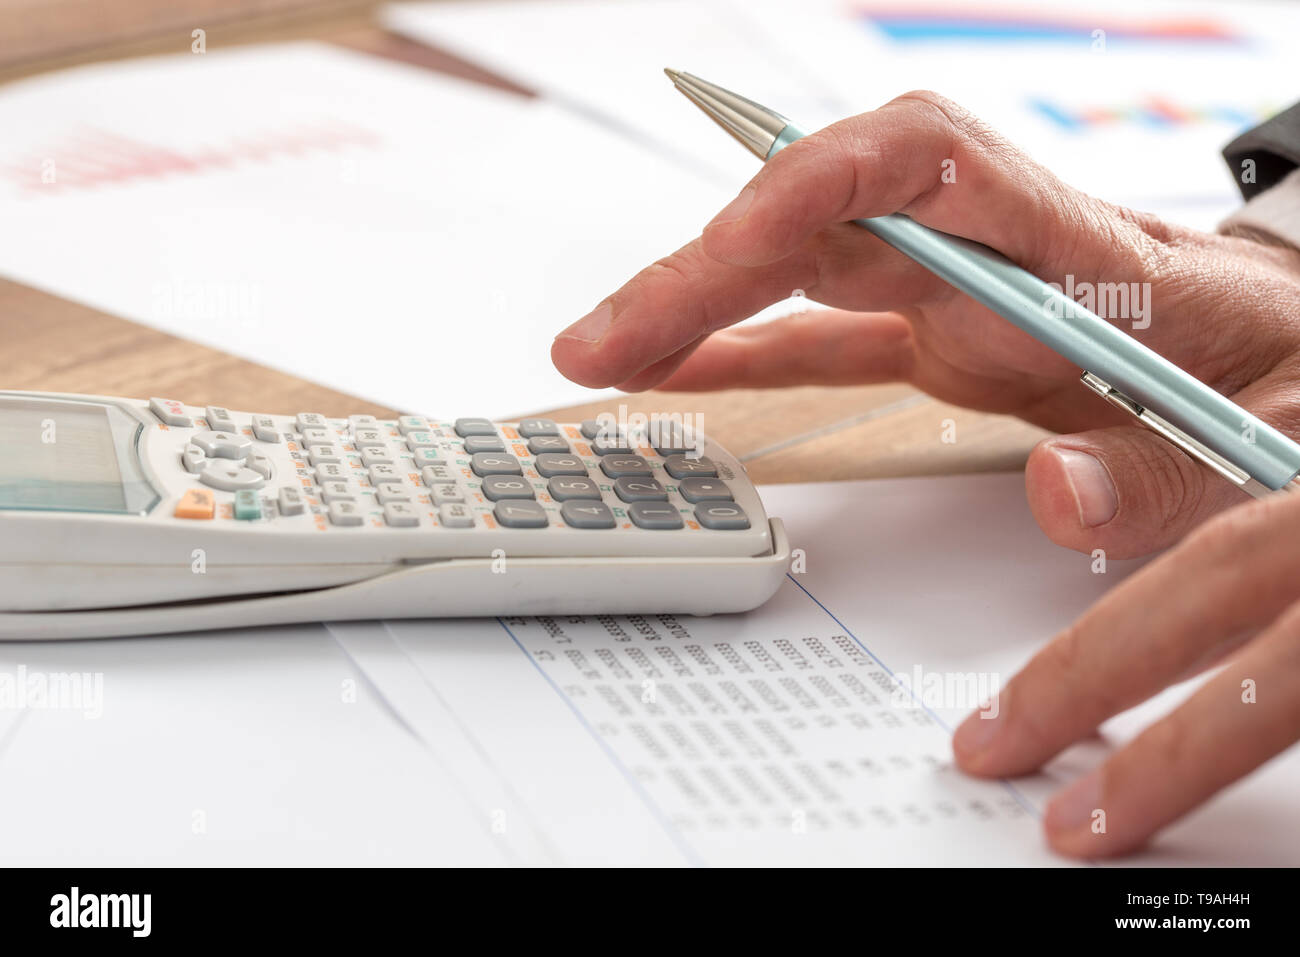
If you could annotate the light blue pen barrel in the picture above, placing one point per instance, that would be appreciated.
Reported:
(1090, 342)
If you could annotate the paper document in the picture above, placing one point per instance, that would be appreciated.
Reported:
(396, 234)
(785, 736)
(1131, 105)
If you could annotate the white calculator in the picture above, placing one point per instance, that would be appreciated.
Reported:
(133, 517)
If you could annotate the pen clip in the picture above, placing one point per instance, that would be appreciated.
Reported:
(1172, 433)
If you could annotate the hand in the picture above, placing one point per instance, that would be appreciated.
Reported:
(1224, 309)
(1230, 588)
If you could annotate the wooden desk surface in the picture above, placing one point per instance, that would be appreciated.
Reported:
(48, 343)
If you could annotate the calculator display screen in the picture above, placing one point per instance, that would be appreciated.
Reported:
(70, 456)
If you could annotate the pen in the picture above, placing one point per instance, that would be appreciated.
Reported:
(1209, 427)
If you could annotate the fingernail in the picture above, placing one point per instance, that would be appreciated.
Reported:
(735, 209)
(977, 732)
(591, 326)
(1076, 805)
(1093, 488)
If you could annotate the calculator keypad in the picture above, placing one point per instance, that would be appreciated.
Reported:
(419, 475)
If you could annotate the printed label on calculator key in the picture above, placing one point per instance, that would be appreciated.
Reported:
(554, 463)
(679, 466)
(498, 487)
(494, 463)
(468, 427)
(640, 490)
(564, 488)
(584, 514)
(721, 515)
(653, 515)
(345, 513)
(547, 443)
(456, 515)
(513, 513)
(532, 427)
(484, 443)
(617, 466)
(704, 490)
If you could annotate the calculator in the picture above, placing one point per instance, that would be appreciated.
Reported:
(136, 517)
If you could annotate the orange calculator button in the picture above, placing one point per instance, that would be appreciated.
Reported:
(196, 503)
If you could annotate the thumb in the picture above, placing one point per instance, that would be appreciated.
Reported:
(1124, 489)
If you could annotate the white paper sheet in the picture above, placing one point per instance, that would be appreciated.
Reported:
(1131, 102)
(398, 235)
(775, 737)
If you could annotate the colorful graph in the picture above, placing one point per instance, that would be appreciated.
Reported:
(1148, 111)
(946, 24)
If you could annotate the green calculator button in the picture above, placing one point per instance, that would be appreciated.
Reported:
(247, 505)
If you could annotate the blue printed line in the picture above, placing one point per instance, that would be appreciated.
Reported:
(673, 834)
(1014, 791)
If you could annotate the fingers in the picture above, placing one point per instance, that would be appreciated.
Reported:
(1124, 490)
(674, 302)
(1243, 716)
(927, 157)
(823, 346)
(1230, 578)
(1130, 492)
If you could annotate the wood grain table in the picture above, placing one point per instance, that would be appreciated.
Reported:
(48, 343)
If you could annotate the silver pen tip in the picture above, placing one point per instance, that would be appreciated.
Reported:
(755, 126)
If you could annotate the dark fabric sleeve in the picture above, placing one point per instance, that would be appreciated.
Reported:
(1274, 145)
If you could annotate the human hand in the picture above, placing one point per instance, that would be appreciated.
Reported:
(1225, 309)
(1231, 589)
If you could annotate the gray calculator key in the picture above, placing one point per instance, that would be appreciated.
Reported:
(468, 427)
(312, 437)
(392, 492)
(310, 420)
(553, 463)
(445, 493)
(539, 444)
(455, 515)
(324, 453)
(370, 439)
(379, 474)
(531, 427)
(193, 459)
(679, 466)
(494, 463)
(484, 443)
(371, 457)
(583, 514)
(346, 513)
(338, 490)
(603, 445)
(433, 474)
(228, 476)
(291, 501)
(704, 490)
(423, 457)
(332, 472)
(261, 464)
(563, 488)
(722, 515)
(636, 489)
(654, 515)
(498, 487)
(590, 428)
(513, 513)
(617, 466)
(401, 515)
(264, 429)
(412, 423)
(421, 440)
(170, 411)
(219, 419)
(362, 422)
(223, 445)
